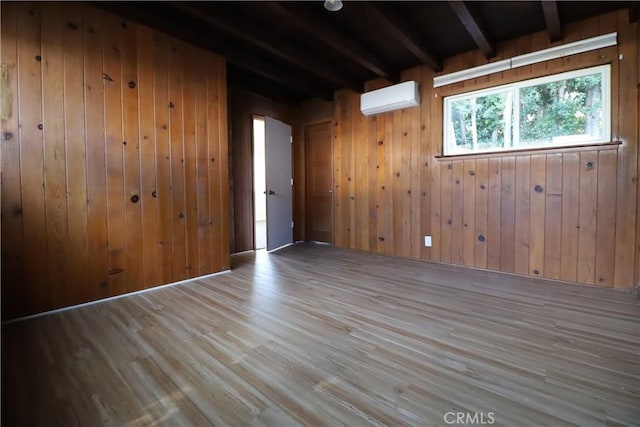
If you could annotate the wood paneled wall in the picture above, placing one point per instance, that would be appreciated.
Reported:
(243, 107)
(391, 187)
(114, 158)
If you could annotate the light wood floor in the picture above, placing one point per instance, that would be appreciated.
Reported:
(316, 335)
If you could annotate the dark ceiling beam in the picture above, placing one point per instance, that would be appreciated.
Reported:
(250, 86)
(552, 18)
(278, 75)
(283, 51)
(395, 27)
(474, 28)
(633, 11)
(332, 38)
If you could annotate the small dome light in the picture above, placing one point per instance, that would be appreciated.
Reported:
(333, 5)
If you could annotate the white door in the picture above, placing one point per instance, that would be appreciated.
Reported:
(279, 184)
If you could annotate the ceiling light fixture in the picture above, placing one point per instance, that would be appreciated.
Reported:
(333, 5)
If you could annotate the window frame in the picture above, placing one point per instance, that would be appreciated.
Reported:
(449, 148)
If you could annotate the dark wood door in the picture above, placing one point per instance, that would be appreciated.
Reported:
(319, 182)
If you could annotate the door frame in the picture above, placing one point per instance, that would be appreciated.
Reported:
(307, 183)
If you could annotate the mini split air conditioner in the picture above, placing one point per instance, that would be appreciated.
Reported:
(390, 98)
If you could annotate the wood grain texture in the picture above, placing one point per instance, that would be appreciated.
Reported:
(426, 167)
(177, 56)
(10, 190)
(523, 214)
(163, 155)
(215, 174)
(76, 155)
(553, 217)
(32, 178)
(481, 213)
(190, 166)
(628, 155)
(493, 228)
(566, 231)
(538, 218)
(148, 173)
(55, 183)
(115, 171)
(587, 216)
(317, 335)
(203, 171)
(97, 219)
(93, 155)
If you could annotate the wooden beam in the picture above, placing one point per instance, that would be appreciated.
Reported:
(280, 76)
(395, 27)
(281, 96)
(331, 37)
(552, 18)
(473, 27)
(283, 50)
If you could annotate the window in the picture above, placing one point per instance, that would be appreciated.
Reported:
(563, 109)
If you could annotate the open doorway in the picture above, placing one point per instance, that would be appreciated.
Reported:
(259, 184)
(272, 184)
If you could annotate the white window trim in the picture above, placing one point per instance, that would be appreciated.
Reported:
(450, 149)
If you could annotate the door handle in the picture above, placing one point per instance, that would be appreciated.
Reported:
(271, 192)
(330, 191)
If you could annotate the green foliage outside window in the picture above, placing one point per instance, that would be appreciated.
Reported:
(545, 112)
(562, 108)
(489, 118)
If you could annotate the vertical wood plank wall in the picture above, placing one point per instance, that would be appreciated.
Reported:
(391, 189)
(114, 158)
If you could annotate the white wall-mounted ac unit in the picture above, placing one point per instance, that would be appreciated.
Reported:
(390, 98)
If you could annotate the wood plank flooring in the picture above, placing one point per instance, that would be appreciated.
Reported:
(315, 335)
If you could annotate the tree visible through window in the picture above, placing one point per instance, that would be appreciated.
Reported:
(563, 109)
